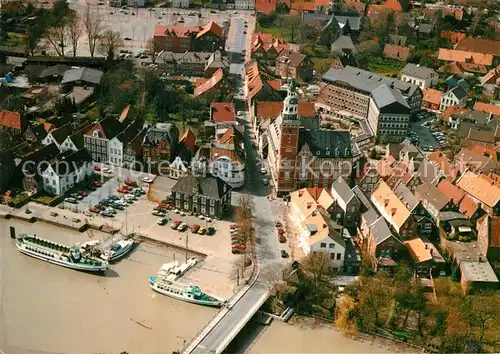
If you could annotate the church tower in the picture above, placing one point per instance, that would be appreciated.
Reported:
(288, 140)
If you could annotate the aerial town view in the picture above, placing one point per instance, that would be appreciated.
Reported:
(249, 176)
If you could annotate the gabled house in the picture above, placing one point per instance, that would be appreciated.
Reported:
(430, 172)
(96, 139)
(378, 239)
(216, 87)
(266, 48)
(453, 55)
(318, 233)
(396, 52)
(432, 199)
(446, 168)
(452, 192)
(432, 99)
(160, 143)
(418, 75)
(208, 195)
(178, 168)
(132, 149)
(71, 168)
(404, 171)
(481, 190)
(12, 122)
(180, 39)
(393, 210)
(122, 147)
(306, 200)
(455, 97)
(223, 116)
(187, 145)
(422, 218)
(345, 208)
(294, 65)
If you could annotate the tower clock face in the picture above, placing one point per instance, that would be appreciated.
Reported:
(289, 130)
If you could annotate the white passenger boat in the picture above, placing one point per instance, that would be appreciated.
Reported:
(190, 293)
(55, 253)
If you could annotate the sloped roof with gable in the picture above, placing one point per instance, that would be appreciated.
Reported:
(451, 191)
(206, 186)
(209, 84)
(453, 36)
(213, 28)
(108, 128)
(342, 192)
(188, 139)
(441, 161)
(88, 75)
(479, 189)
(381, 231)
(432, 96)
(432, 195)
(176, 31)
(468, 206)
(309, 199)
(270, 110)
(415, 70)
(406, 196)
(389, 205)
(394, 51)
(222, 112)
(418, 250)
(485, 107)
(10, 119)
(293, 59)
(463, 56)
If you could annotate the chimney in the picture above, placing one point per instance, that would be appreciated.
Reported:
(301, 192)
(393, 211)
(386, 202)
(426, 246)
(313, 213)
(431, 252)
(309, 205)
(324, 226)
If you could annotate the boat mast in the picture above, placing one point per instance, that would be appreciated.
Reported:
(187, 240)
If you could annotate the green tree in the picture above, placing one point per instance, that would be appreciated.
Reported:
(291, 25)
(374, 296)
(310, 34)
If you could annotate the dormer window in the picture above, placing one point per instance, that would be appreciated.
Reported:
(318, 152)
(95, 134)
(327, 152)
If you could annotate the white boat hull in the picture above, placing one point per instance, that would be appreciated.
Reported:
(122, 252)
(180, 296)
(61, 262)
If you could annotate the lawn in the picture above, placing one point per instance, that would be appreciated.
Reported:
(385, 67)
(320, 56)
(45, 199)
(276, 31)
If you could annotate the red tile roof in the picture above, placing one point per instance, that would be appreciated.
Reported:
(451, 191)
(270, 110)
(268, 6)
(495, 231)
(468, 206)
(275, 84)
(389, 5)
(453, 36)
(463, 56)
(210, 83)
(48, 127)
(432, 96)
(440, 160)
(222, 112)
(188, 140)
(213, 28)
(124, 114)
(479, 45)
(485, 107)
(176, 31)
(483, 150)
(397, 52)
(303, 6)
(10, 119)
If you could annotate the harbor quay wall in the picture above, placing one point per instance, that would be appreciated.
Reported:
(173, 245)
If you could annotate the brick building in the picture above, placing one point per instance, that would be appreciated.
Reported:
(179, 39)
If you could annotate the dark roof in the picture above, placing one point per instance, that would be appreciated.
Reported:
(111, 127)
(425, 28)
(368, 210)
(459, 92)
(129, 133)
(70, 160)
(210, 187)
(60, 134)
(38, 130)
(345, 192)
(87, 75)
(162, 131)
(45, 153)
(381, 231)
(406, 196)
(353, 21)
(56, 70)
(432, 195)
(326, 143)
(78, 140)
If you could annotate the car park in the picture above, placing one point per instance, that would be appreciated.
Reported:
(202, 231)
(158, 213)
(117, 206)
(182, 227)
(71, 200)
(195, 228)
(107, 214)
(210, 231)
(94, 210)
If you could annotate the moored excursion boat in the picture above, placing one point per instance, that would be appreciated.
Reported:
(55, 253)
(189, 293)
(118, 250)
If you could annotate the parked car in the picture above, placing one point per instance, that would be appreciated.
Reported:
(263, 171)
(110, 210)
(277, 223)
(236, 251)
(182, 227)
(147, 179)
(239, 246)
(107, 214)
(233, 226)
(265, 181)
(97, 168)
(162, 221)
(100, 207)
(94, 210)
(71, 200)
(158, 213)
(106, 170)
(76, 196)
(123, 190)
(117, 206)
(127, 200)
(139, 191)
(284, 254)
(113, 197)
(175, 224)
(131, 183)
(195, 228)
(282, 239)
(202, 231)
(96, 183)
(105, 202)
(83, 193)
(210, 231)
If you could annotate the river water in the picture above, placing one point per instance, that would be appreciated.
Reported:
(50, 309)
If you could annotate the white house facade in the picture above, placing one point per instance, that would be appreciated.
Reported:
(231, 172)
(71, 169)
(177, 168)
(180, 3)
(419, 75)
(115, 152)
(456, 97)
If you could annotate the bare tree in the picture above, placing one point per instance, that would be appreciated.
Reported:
(109, 42)
(58, 37)
(93, 28)
(237, 270)
(75, 32)
(244, 218)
